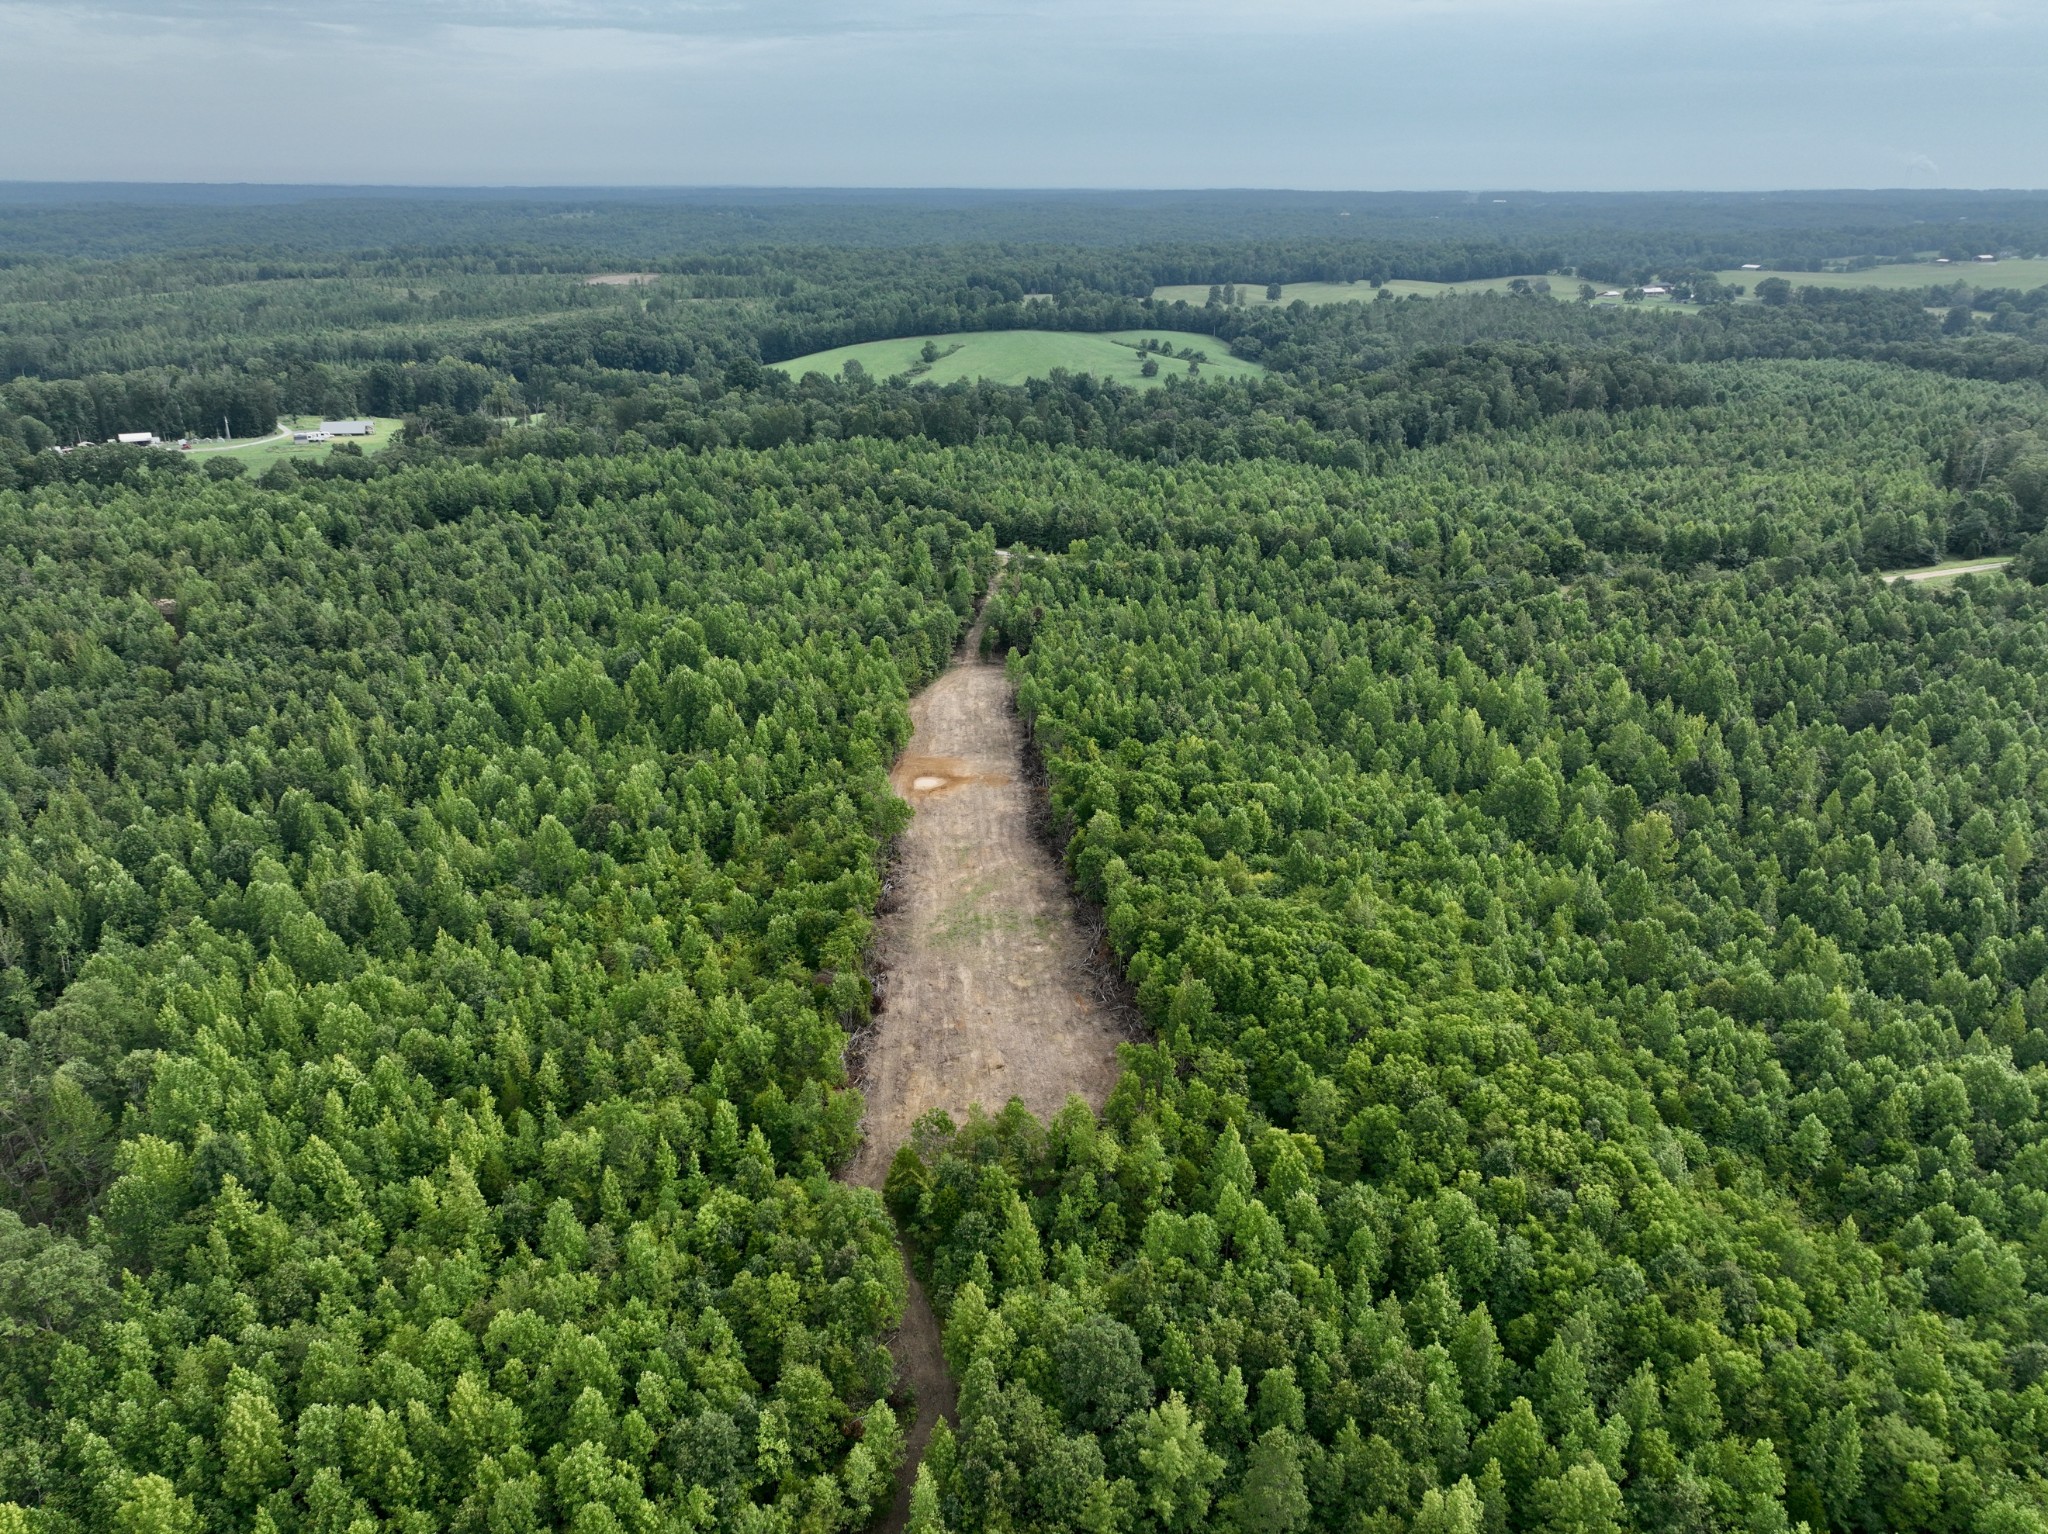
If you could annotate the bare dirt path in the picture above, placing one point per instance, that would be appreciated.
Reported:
(283, 433)
(986, 988)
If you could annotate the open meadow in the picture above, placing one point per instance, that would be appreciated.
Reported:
(1254, 296)
(2023, 274)
(1912, 274)
(1013, 356)
(260, 452)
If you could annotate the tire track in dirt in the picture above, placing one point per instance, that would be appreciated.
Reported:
(988, 990)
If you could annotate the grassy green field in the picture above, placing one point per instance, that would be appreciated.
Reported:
(1254, 294)
(260, 452)
(1012, 356)
(1561, 288)
(1914, 274)
(1948, 570)
(1917, 274)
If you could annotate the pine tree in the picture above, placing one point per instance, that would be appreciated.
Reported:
(924, 1505)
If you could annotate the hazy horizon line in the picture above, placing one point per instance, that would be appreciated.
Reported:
(999, 189)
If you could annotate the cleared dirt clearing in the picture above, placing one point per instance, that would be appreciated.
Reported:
(986, 988)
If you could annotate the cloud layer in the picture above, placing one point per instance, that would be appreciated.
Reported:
(1307, 93)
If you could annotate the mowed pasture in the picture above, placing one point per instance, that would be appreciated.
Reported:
(1014, 356)
(1361, 292)
(2023, 274)
(260, 452)
(1950, 570)
(1561, 288)
(1254, 294)
(1913, 274)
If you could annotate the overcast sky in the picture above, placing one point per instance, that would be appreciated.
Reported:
(1579, 94)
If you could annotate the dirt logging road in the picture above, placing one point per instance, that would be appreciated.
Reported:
(986, 987)
(984, 966)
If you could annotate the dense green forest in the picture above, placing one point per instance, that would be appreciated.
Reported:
(414, 919)
(1591, 932)
(1592, 1082)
